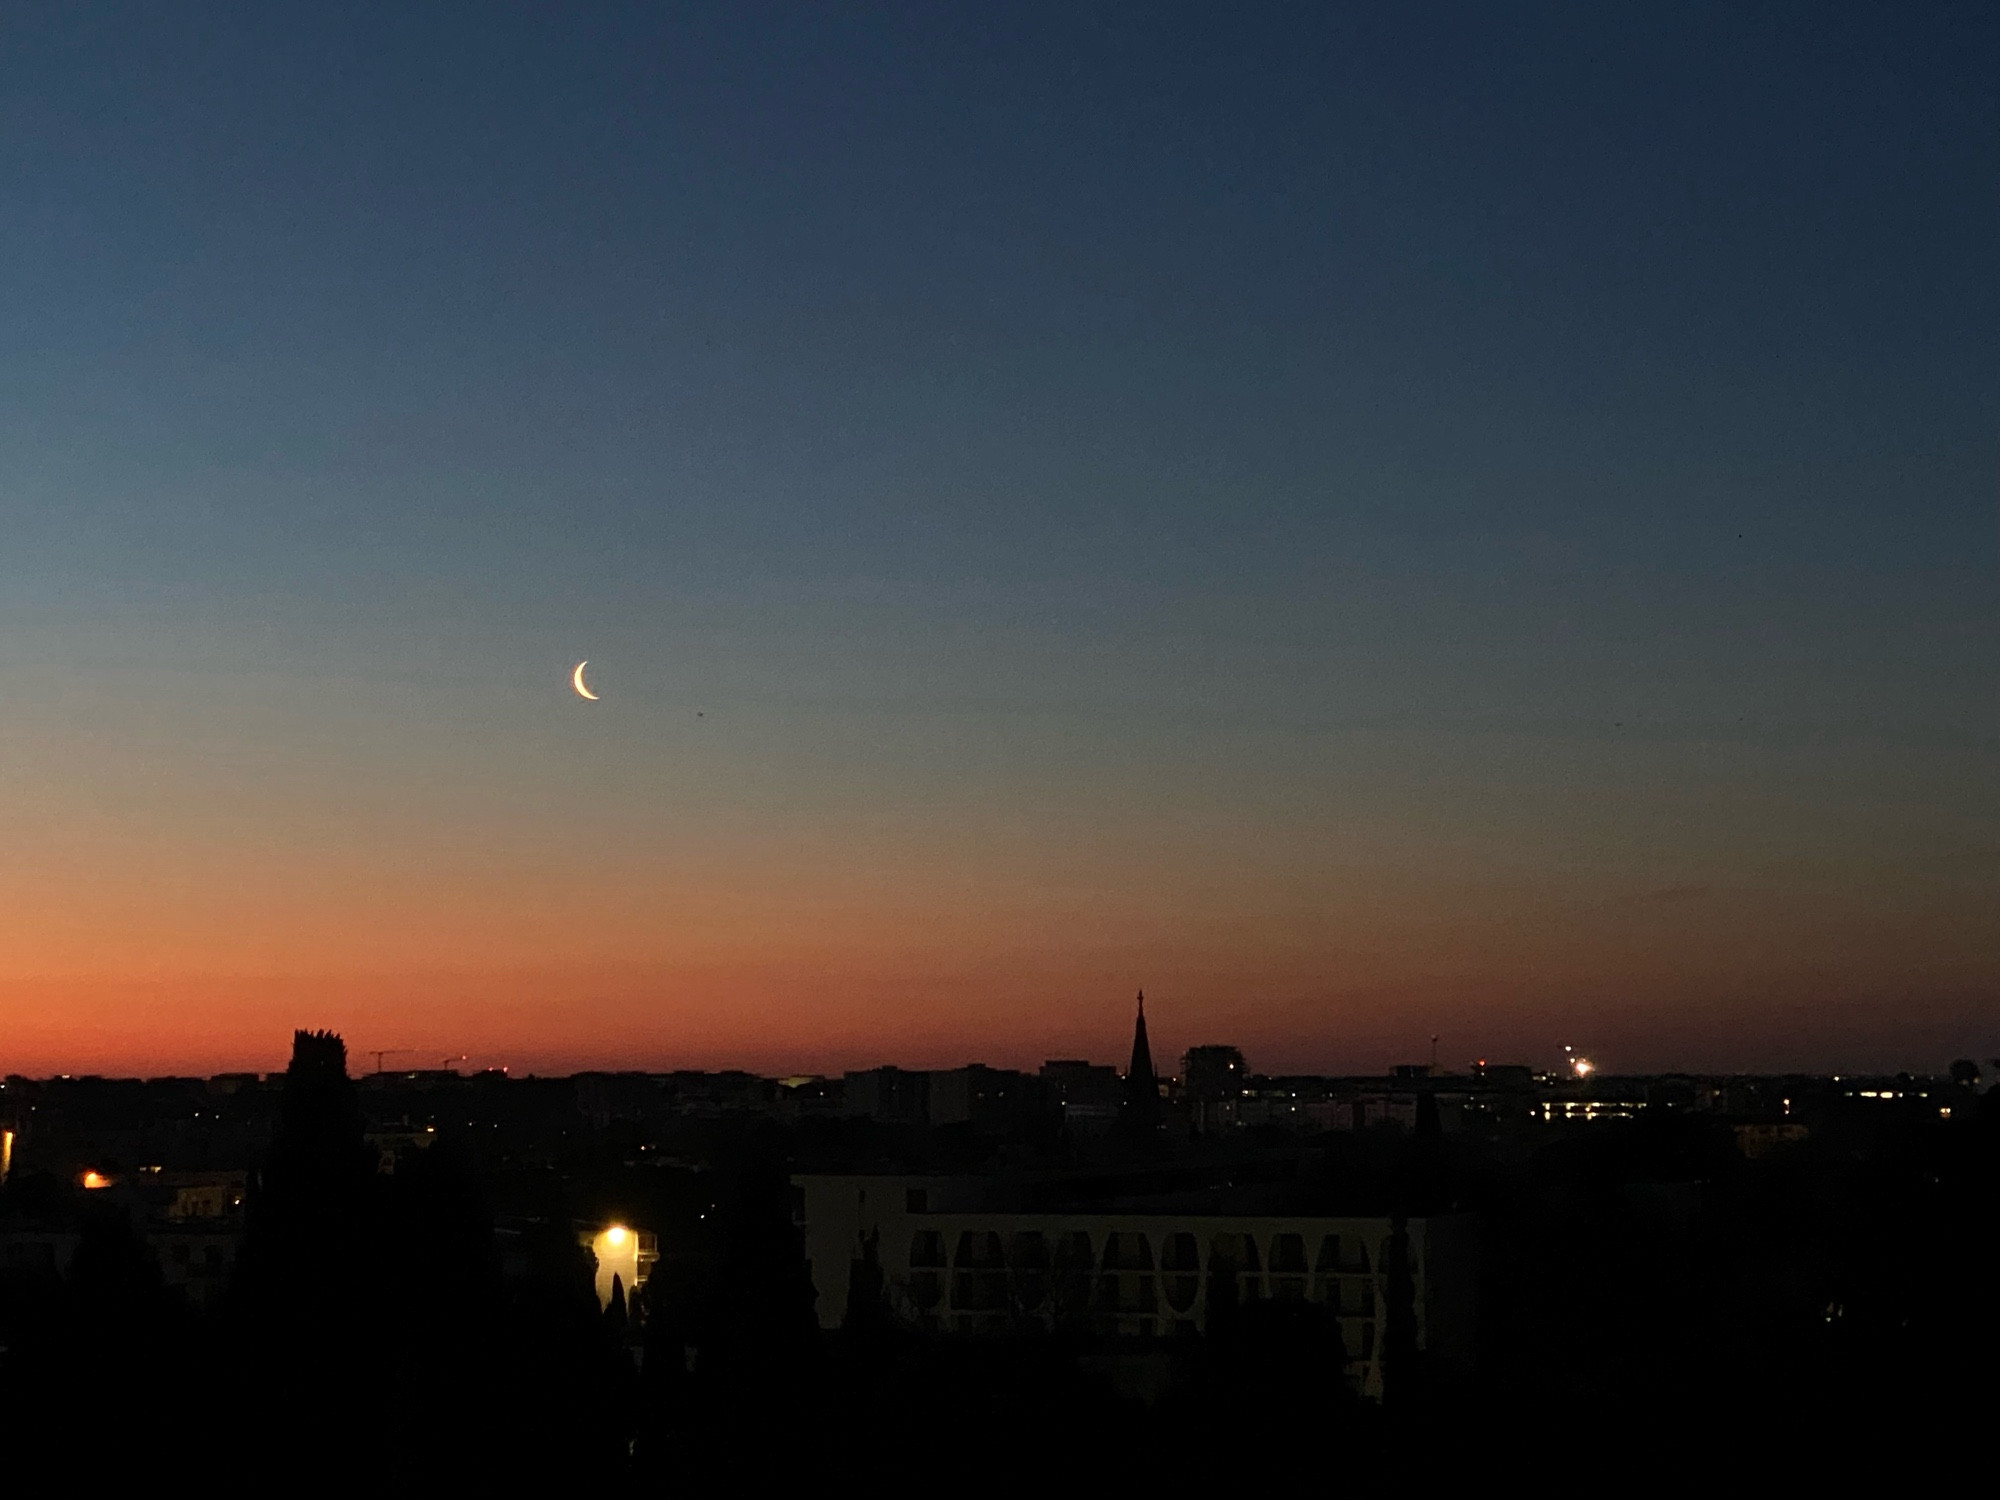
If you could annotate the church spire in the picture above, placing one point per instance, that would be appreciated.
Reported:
(1142, 1085)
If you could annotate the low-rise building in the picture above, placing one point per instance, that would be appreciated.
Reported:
(952, 1264)
(1089, 1094)
(992, 1098)
(891, 1095)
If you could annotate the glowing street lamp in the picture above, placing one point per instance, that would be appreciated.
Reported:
(617, 1250)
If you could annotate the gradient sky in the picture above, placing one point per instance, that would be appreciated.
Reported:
(1365, 521)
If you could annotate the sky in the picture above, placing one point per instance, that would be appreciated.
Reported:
(1367, 522)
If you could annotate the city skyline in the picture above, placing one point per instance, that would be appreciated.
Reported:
(1363, 525)
(1437, 1052)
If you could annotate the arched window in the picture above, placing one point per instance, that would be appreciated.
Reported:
(1127, 1285)
(1125, 1250)
(1236, 1251)
(1351, 1296)
(1288, 1267)
(978, 1250)
(1236, 1254)
(979, 1275)
(1073, 1260)
(1180, 1258)
(926, 1269)
(1028, 1260)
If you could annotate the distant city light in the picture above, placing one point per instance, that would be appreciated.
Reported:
(94, 1180)
(1582, 1067)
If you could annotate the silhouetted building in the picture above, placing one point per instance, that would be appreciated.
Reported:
(190, 1222)
(1212, 1072)
(196, 1257)
(1088, 1094)
(604, 1097)
(810, 1096)
(1212, 1084)
(979, 1095)
(1142, 1085)
(895, 1096)
(717, 1095)
(1758, 1138)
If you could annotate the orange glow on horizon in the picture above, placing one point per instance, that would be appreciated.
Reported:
(775, 916)
(784, 1018)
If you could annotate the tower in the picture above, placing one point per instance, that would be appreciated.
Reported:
(1142, 1086)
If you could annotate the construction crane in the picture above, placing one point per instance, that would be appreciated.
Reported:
(381, 1052)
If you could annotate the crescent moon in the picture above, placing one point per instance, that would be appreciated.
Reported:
(576, 680)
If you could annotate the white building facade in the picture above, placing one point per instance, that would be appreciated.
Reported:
(949, 1265)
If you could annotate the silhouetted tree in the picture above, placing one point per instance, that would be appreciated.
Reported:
(1400, 1374)
(867, 1311)
(615, 1317)
(1267, 1378)
(1429, 1126)
(565, 1392)
(306, 1205)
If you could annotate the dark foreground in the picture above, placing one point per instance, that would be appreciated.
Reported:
(1646, 1292)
